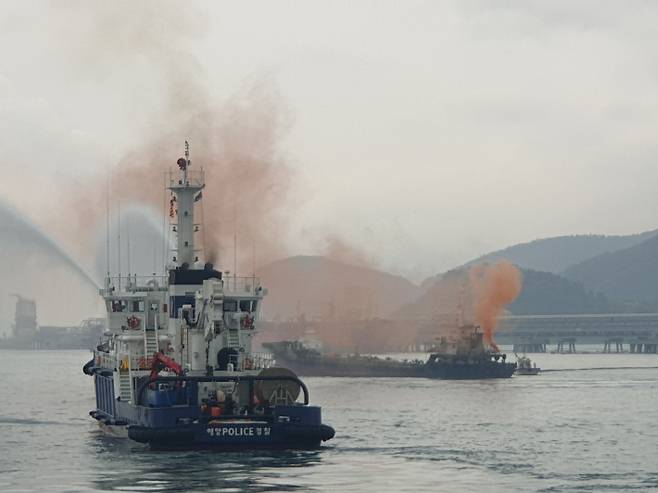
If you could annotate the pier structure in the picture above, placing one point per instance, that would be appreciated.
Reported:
(619, 345)
(640, 347)
(530, 346)
(536, 333)
(570, 343)
(614, 333)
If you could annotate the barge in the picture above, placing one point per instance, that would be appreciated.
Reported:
(465, 358)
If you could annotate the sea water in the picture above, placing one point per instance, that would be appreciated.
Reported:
(579, 429)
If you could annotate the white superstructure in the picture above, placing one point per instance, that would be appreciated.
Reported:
(194, 315)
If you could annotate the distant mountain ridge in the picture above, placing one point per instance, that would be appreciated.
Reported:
(566, 274)
(629, 275)
(558, 253)
(315, 286)
(543, 293)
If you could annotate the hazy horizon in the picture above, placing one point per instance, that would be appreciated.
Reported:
(417, 136)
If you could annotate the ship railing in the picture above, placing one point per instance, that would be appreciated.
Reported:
(250, 380)
(191, 178)
(141, 362)
(130, 362)
(261, 360)
(236, 285)
(105, 360)
(134, 283)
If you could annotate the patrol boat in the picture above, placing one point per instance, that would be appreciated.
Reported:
(175, 367)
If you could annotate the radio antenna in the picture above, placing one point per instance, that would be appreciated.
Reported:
(119, 239)
(107, 229)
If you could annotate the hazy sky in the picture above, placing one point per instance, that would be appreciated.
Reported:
(422, 133)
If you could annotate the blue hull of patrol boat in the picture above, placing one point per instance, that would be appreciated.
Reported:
(167, 422)
(233, 436)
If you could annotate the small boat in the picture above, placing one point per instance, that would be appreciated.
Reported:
(525, 366)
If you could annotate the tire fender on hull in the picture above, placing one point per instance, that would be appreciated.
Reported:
(142, 434)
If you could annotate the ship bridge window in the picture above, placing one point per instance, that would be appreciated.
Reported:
(138, 306)
(248, 305)
(119, 305)
(230, 305)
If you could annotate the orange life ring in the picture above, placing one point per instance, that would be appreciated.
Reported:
(248, 322)
(133, 322)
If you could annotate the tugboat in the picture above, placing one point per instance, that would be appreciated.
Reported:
(175, 368)
(461, 359)
(468, 357)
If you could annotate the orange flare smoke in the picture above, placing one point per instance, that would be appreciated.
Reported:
(495, 286)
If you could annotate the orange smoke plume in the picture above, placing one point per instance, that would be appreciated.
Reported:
(494, 286)
(247, 176)
(237, 140)
(237, 143)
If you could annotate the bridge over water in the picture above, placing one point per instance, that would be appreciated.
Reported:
(635, 332)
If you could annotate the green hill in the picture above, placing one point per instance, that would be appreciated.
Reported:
(545, 293)
(629, 276)
(559, 253)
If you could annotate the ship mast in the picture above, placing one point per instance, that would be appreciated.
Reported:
(187, 189)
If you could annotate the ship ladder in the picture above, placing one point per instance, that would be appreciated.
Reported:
(124, 386)
(150, 344)
(233, 339)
